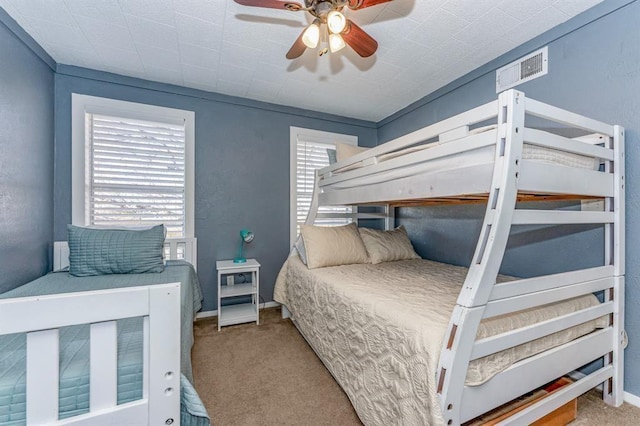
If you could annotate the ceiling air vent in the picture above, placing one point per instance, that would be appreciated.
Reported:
(524, 69)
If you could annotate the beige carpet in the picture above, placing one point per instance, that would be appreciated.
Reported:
(268, 375)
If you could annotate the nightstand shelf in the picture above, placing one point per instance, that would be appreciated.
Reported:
(237, 314)
(237, 290)
(242, 312)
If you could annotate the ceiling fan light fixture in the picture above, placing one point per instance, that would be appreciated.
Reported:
(336, 22)
(311, 35)
(336, 43)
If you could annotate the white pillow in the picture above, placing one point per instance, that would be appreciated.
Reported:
(387, 246)
(333, 245)
(345, 150)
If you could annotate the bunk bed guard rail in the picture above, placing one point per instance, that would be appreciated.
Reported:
(41, 317)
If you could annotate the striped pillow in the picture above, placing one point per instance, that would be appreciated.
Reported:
(115, 251)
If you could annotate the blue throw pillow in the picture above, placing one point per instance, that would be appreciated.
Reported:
(115, 251)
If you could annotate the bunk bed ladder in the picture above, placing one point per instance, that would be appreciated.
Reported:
(487, 258)
(481, 297)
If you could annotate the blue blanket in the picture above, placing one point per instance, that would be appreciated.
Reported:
(74, 342)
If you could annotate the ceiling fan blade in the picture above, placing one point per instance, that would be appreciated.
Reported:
(361, 4)
(273, 4)
(358, 40)
(298, 47)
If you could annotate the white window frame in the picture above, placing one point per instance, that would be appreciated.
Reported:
(316, 135)
(83, 104)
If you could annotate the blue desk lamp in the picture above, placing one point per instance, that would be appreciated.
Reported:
(246, 236)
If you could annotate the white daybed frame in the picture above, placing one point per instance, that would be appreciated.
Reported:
(41, 317)
(503, 180)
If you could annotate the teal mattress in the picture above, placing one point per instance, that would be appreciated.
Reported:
(74, 342)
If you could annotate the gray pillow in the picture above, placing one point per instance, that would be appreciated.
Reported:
(115, 251)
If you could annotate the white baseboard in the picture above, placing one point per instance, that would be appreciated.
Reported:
(208, 314)
(632, 399)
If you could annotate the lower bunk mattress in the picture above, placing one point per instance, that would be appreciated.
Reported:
(379, 330)
(74, 342)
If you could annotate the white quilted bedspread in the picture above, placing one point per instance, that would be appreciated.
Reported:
(379, 330)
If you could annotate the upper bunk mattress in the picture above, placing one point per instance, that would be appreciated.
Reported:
(74, 341)
(379, 329)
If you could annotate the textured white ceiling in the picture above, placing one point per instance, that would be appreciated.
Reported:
(220, 46)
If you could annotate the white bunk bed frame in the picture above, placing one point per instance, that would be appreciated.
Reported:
(408, 180)
(41, 317)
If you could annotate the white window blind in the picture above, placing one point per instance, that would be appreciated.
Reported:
(136, 173)
(310, 156)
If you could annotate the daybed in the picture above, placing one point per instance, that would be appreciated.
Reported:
(107, 349)
(406, 341)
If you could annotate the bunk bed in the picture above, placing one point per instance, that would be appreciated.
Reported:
(355, 316)
(104, 349)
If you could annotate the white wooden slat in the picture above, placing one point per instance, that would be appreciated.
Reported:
(619, 200)
(546, 282)
(453, 134)
(557, 217)
(472, 116)
(558, 398)
(547, 178)
(400, 166)
(525, 301)
(25, 314)
(460, 340)
(131, 413)
(609, 388)
(164, 345)
(103, 383)
(549, 140)
(474, 179)
(351, 215)
(42, 376)
(313, 208)
(145, 357)
(60, 255)
(497, 343)
(593, 139)
(613, 393)
(534, 372)
(559, 115)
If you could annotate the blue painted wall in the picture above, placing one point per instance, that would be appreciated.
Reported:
(242, 156)
(593, 70)
(26, 161)
(242, 166)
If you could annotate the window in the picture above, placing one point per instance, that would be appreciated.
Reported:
(132, 165)
(309, 153)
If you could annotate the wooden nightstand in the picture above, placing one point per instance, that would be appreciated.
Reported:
(242, 312)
